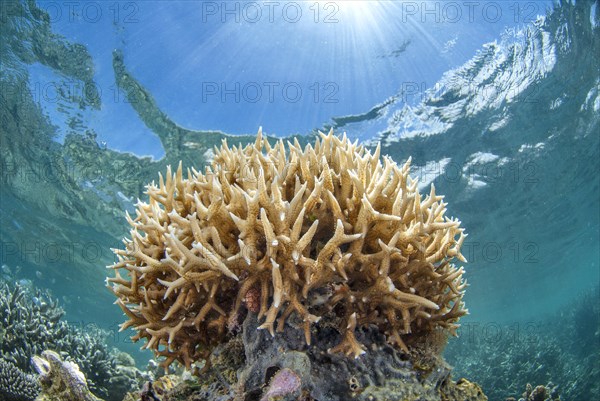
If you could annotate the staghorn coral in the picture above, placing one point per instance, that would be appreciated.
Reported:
(30, 322)
(15, 385)
(327, 228)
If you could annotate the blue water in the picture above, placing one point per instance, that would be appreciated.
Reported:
(503, 117)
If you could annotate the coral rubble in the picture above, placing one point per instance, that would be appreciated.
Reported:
(299, 233)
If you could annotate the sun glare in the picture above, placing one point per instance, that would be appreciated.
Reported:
(358, 9)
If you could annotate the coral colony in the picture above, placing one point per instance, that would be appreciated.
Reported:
(284, 231)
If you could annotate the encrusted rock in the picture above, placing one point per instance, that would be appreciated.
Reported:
(284, 368)
(60, 380)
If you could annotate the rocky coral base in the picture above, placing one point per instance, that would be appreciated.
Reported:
(253, 366)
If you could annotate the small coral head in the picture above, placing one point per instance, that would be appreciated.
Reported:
(285, 230)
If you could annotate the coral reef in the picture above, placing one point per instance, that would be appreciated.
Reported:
(60, 380)
(15, 385)
(504, 365)
(538, 352)
(30, 320)
(549, 392)
(305, 232)
(30, 323)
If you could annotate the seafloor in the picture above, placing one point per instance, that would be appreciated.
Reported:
(42, 357)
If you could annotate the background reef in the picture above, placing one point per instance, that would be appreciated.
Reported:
(15, 385)
(564, 350)
(31, 322)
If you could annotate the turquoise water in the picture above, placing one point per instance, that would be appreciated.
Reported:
(506, 126)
